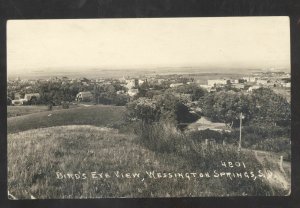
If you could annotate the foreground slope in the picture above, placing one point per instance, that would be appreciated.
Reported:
(42, 163)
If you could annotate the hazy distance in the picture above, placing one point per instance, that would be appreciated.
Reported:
(102, 46)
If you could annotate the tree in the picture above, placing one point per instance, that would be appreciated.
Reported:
(167, 108)
(143, 90)
(263, 106)
(226, 106)
(195, 91)
(144, 109)
(271, 107)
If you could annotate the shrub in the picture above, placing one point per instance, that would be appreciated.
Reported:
(279, 145)
(207, 134)
(65, 105)
(50, 107)
(160, 137)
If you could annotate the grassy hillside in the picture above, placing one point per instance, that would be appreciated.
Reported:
(98, 115)
(34, 157)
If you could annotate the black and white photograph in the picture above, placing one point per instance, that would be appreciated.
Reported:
(148, 107)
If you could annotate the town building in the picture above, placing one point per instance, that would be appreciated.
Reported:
(262, 82)
(176, 85)
(84, 96)
(250, 79)
(213, 82)
(132, 83)
(255, 87)
(132, 92)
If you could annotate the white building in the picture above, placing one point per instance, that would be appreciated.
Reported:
(31, 96)
(238, 86)
(207, 87)
(132, 83)
(250, 79)
(253, 88)
(176, 84)
(262, 82)
(132, 92)
(141, 81)
(28, 97)
(234, 81)
(84, 96)
(213, 82)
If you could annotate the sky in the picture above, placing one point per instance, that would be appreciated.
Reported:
(77, 45)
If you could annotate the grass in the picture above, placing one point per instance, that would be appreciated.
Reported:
(13, 111)
(97, 138)
(98, 115)
(87, 149)
(34, 157)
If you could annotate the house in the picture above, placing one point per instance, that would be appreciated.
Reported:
(234, 81)
(262, 82)
(84, 96)
(32, 96)
(132, 83)
(250, 79)
(120, 92)
(176, 85)
(207, 87)
(238, 86)
(140, 82)
(19, 102)
(213, 82)
(255, 87)
(27, 98)
(132, 92)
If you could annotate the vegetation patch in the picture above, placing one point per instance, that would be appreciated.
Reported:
(39, 162)
(98, 115)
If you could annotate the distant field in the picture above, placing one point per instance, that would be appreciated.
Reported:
(35, 156)
(98, 115)
(13, 111)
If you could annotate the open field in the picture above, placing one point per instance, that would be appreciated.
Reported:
(97, 115)
(13, 111)
(35, 157)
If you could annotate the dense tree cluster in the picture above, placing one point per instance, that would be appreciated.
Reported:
(195, 91)
(56, 92)
(147, 90)
(166, 107)
(263, 105)
(107, 94)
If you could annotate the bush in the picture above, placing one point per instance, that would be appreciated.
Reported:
(165, 138)
(280, 144)
(65, 105)
(50, 107)
(160, 137)
(207, 134)
(266, 138)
